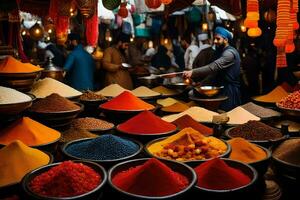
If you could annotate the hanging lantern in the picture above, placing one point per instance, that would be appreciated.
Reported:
(254, 32)
(36, 32)
(270, 16)
(49, 26)
(290, 48)
(166, 2)
(111, 4)
(64, 7)
(86, 7)
(243, 28)
(24, 31)
(204, 26)
(153, 3)
(123, 12)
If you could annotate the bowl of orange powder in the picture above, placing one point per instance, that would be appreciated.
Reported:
(151, 178)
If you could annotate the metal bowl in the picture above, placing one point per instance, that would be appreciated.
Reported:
(178, 86)
(126, 65)
(208, 90)
(149, 81)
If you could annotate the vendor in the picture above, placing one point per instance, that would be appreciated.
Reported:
(113, 58)
(226, 67)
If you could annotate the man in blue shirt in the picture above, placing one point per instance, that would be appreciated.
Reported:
(226, 68)
(79, 66)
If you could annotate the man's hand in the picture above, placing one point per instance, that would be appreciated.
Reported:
(187, 74)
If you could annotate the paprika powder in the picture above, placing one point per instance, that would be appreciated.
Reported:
(153, 178)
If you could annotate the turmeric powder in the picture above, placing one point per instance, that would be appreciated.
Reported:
(12, 65)
(188, 144)
(274, 96)
(17, 159)
(242, 150)
(29, 132)
(175, 108)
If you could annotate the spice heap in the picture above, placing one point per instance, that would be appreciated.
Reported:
(126, 101)
(254, 130)
(187, 121)
(47, 86)
(292, 101)
(176, 108)
(17, 159)
(12, 65)
(112, 90)
(166, 102)
(240, 116)
(75, 134)
(90, 123)
(146, 123)
(260, 111)
(153, 178)
(289, 151)
(105, 147)
(244, 151)
(10, 96)
(92, 96)
(197, 113)
(29, 132)
(211, 172)
(188, 144)
(143, 91)
(53, 103)
(165, 91)
(67, 179)
(274, 96)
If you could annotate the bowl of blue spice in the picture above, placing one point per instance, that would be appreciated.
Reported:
(106, 150)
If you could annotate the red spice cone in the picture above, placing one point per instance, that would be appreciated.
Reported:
(153, 178)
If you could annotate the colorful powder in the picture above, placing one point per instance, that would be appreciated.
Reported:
(146, 123)
(153, 178)
(274, 96)
(244, 151)
(17, 159)
(187, 121)
(215, 174)
(175, 108)
(12, 65)
(112, 90)
(126, 101)
(67, 179)
(29, 132)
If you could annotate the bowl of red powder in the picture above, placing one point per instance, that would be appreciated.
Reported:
(151, 178)
(225, 179)
(146, 126)
(65, 180)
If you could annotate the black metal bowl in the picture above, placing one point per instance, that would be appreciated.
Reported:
(176, 166)
(264, 143)
(106, 163)
(245, 192)
(91, 195)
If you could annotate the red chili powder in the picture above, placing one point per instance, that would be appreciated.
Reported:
(153, 178)
(146, 123)
(215, 174)
(66, 180)
(187, 121)
(126, 101)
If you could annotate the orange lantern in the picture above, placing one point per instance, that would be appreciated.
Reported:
(123, 12)
(250, 23)
(270, 16)
(254, 32)
(153, 3)
(290, 48)
(166, 2)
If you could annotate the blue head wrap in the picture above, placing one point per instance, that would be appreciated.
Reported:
(224, 33)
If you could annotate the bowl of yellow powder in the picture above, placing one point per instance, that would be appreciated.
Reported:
(253, 154)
